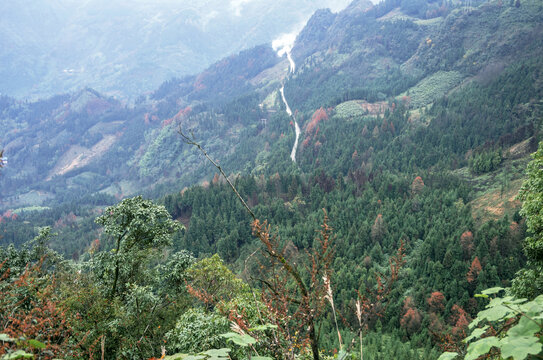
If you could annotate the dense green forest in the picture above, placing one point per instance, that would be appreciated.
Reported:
(413, 200)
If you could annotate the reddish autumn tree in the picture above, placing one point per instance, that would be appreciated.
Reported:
(216, 179)
(411, 320)
(460, 321)
(29, 307)
(417, 186)
(317, 117)
(436, 302)
(474, 270)
(451, 340)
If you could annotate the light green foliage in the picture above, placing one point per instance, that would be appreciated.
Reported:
(138, 223)
(248, 342)
(213, 354)
(138, 227)
(163, 143)
(448, 356)
(516, 323)
(212, 278)
(240, 340)
(21, 344)
(176, 268)
(433, 87)
(197, 330)
(350, 109)
(529, 281)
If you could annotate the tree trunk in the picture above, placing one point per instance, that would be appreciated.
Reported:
(313, 340)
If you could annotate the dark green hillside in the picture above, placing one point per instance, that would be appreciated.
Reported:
(417, 119)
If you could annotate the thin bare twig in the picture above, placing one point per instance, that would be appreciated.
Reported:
(190, 141)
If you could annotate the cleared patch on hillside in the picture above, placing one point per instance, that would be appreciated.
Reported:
(495, 204)
(358, 108)
(78, 156)
(429, 22)
(432, 88)
(395, 14)
(121, 189)
(274, 74)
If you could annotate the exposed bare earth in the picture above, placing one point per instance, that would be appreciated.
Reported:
(78, 156)
(493, 205)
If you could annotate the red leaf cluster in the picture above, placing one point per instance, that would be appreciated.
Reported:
(436, 302)
(474, 270)
(29, 308)
(417, 186)
(317, 117)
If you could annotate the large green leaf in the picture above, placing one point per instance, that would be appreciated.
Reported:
(475, 334)
(495, 313)
(19, 354)
(448, 356)
(218, 352)
(492, 291)
(481, 347)
(525, 327)
(36, 344)
(241, 340)
(6, 338)
(520, 347)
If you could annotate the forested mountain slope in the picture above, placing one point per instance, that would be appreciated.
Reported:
(367, 54)
(417, 120)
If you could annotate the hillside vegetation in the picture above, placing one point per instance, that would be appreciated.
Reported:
(417, 120)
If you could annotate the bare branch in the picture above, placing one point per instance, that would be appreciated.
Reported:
(190, 141)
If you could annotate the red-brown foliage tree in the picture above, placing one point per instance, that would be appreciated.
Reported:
(286, 290)
(466, 241)
(436, 302)
(411, 320)
(474, 270)
(417, 186)
(460, 320)
(317, 117)
(29, 308)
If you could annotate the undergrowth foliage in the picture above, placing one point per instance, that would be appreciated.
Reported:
(30, 308)
(295, 295)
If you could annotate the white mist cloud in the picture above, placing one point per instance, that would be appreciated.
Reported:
(237, 5)
(284, 43)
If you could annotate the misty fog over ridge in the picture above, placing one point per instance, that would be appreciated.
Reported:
(125, 48)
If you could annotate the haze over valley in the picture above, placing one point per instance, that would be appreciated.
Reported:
(271, 180)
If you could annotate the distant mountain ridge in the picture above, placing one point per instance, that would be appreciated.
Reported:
(350, 66)
(125, 48)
